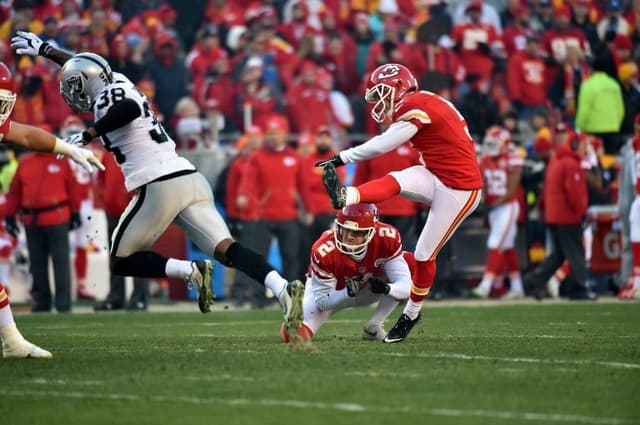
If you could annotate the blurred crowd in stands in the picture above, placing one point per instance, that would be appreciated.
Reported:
(246, 86)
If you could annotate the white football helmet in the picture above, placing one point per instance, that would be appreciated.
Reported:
(84, 76)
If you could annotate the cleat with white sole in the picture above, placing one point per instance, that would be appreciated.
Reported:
(200, 280)
(374, 333)
(513, 295)
(24, 350)
(290, 299)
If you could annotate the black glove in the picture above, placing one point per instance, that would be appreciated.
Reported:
(352, 285)
(75, 222)
(378, 286)
(484, 48)
(335, 160)
(11, 225)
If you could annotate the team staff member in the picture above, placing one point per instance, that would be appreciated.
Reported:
(115, 200)
(44, 191)
(565, 205)
(321, 214)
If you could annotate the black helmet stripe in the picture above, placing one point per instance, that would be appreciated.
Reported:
(104, 69)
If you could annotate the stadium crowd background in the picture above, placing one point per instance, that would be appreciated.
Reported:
(223, 75)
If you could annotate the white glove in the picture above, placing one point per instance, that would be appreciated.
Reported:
(26, 43)
(73, 140)
(85, 158)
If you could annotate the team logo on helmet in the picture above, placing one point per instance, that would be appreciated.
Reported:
(389, 71)
(76, 85)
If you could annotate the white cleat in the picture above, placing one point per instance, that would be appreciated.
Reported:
(553, 287)
(480, 292)
(513, 295)
(374, 333)
(24, 350)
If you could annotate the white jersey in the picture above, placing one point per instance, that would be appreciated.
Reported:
(142, 148)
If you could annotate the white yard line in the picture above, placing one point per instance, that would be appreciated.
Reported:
(317, 405)
(470, 357)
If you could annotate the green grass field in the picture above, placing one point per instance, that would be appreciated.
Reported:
(492, 364)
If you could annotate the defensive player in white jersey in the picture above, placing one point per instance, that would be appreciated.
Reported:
(168, 188)
(359, 263)
(501, 166)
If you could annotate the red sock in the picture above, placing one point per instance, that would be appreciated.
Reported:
(4, 298)
(563, 271)
(425, 275)
(635, 251)
(80, 263)
(495, 262)
(379, 190)
(511, 259)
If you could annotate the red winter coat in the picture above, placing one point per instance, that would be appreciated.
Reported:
(236, 171)
(275, 176)
(44, 183)
(565, 188)
(526, 79)
(318, 201)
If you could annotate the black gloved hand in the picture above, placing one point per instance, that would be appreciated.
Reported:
(378, 286)
(352, 285)
(335, 160)
(11, 225)
(75, 222)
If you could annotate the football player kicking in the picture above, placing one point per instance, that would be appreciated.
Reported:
(359, 263)
(449, 178)
(168, 188)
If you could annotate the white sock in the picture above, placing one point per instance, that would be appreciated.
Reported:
(10, 334)
(412, 309)
(353, 196)
(5, 269)
(180, 269)
(275, 282)
(6, 317)
(516, 283)
(383, 310)
(485, 284)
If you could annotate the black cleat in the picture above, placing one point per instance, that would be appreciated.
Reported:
(334, 186)
(108, 306)
(401, 329)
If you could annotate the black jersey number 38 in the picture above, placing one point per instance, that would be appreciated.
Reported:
(117, 94)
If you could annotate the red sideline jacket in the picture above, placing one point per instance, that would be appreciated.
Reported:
(565, 188)
(318, 200)
(111, 183)
(398, 159)
(43, 183)
(236, 171)
(275, 176)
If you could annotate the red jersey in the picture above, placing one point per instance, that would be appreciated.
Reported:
(495, 171)
(443, 140)
(328, 262)
(636, 152)
(525, 79)
(557, 41)
(468, 36)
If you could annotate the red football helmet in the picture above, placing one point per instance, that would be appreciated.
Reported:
(387, 87)
(497, 141)
(7, 96)
(358, 218)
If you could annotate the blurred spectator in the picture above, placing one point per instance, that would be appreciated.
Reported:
(255, 98)
(214, 90)
(391, 49)
(601, 106)
(98, 35)
(274, 172)
(308, 104)
(205, 52)
(51, 30)
(517, 33)
(168, 73)
(628, 77)
(126, 60)
(387, 10)
(339, 104)
(563, 92)
(29, 106)
(22, 19)
(542, 18)
(613, 22)
(305, 145)
(477, 107)
(487, 14)
(525, 79)
(364, 38)
(582, 21)
(565, 206)
(340, 62)
(476, 41)
(43, 192)
(444, 69)
(115, 200)
(294, 29)
(109, 18)
(70, 15)
(320, 215)
(621, 47)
